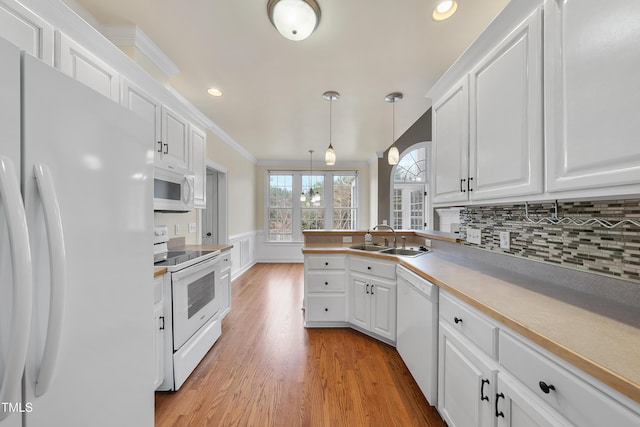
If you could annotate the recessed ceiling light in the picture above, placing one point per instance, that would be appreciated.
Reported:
(214, 92)
(444, 9)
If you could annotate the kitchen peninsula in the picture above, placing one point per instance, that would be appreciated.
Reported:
(598, 335)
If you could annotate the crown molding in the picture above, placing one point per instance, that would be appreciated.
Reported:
(132, 35)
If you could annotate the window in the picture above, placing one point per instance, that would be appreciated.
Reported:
(280, 207)
(299, 201)
(408, 208)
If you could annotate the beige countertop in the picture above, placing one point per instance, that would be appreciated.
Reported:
(562, 321)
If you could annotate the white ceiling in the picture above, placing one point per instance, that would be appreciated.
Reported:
(272, 103)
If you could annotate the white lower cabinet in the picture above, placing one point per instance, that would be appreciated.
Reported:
(466, 381)
(223, 279)
(517, 407)
(520, 385)
(372, 296)
(324, 290)
(581, 399)
(158, 324)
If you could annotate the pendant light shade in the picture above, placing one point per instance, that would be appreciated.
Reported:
(330, 155)
(393, 157)
(294, 19)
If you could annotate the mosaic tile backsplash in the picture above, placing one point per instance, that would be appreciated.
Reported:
(614, 252)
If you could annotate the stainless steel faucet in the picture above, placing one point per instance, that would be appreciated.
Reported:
(395, 244)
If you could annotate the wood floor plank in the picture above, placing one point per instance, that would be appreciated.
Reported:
(268, 370)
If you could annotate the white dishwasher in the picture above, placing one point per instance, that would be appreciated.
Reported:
(417, 323)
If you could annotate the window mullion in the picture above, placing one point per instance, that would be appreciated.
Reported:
(296, 216)
(328, 201)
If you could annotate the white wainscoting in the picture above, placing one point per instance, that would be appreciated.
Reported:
(242, 253)
(278, 251)
(250, 248)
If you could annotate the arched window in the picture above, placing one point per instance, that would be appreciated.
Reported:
(409, 202)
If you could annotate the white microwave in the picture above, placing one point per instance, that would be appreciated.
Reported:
(173, 190)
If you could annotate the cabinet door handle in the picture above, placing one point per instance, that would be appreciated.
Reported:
(159, 146)
(462, 189)
(498, 412)
(482, 396)
(371, 289)
(166, 149)
(457, 320)
(367, 288)
(162, 325)
(546, 388)
(469, 184)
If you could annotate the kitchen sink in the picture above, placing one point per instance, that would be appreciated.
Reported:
(404, 252)
(371, 248)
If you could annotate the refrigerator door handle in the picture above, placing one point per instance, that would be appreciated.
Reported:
(58, 271)
(22, 284)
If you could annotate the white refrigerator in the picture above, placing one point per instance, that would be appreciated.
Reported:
(76, 301)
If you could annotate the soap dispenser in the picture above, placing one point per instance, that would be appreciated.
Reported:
(368, 239)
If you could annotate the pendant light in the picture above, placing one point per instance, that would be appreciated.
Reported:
(312, 196)
(294, 19)
(393, 157)
(330, 155)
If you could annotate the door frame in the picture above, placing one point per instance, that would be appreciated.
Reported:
(221, 193)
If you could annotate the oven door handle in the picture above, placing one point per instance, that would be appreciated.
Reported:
(194, 269)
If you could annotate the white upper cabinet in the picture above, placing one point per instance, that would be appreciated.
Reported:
(592, 59)
(175, 141)
(488, 127)
(505, 126)
(26, 30)
(136, 100)
(77, 62)
(197, 162)
(451, 148)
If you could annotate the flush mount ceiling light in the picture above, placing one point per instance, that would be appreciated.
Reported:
(214, 92)
(393, 157)
(330, 155)
(444, 9)
(294, 19)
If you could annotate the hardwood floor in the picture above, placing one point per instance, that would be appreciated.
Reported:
(268, 370)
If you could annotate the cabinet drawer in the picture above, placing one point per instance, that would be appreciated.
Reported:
(470, 323)
(576, 399)
(331, 281)
(325, 308)
(225, 261)
(336, 262)
(373, 267)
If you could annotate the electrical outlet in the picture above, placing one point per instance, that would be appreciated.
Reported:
(505, 240)
(473, 236)
(176, 229)
(347, 239)
(427, 243)
(192, 227)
